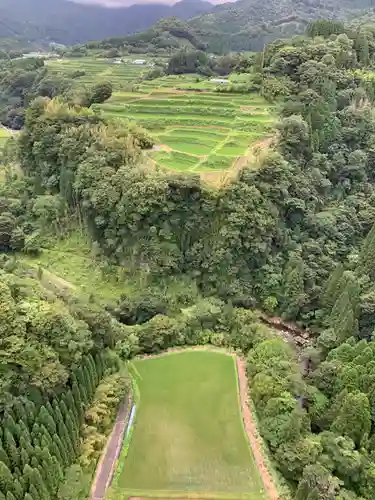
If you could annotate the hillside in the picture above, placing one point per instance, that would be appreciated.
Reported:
(67, 22)
(249, 24)
(105, 258)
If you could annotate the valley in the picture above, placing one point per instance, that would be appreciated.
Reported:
(187, 241)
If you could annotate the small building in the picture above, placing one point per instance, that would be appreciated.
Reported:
(139, 61)
(221, 81)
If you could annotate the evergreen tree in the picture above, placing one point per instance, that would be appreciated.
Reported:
(27, 476)
(82, 386)
(62, 451)
(34, 462)
(19, 411)
(330, 293)
(10, 424)
(99, 366)
(30, 412)
(66, 441)
(17, 473)
(2, 496)
(64, 410)
(25, 444)
(94, 373)
(18, 490)
(11, 449)
(4, 457)
(57, 411)
(76, 396)
(34, 492)
(45, 438)
(89, 383)
(71, 405)
(49, 474)
(6, 478)
(44, 418)
(28, 496)
(293, 292)
(55, 452)
(25, 459)
(38, 453)
(73, 430)
(10, 496)
(24, 429)
(35, 430)
(38, 483)
(57, 471)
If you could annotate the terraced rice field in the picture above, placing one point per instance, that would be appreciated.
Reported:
(195, 128)
(194, 131)
(120, 75)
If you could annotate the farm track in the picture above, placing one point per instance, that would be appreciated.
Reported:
(108, 461)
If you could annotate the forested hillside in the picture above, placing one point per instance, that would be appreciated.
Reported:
(250, 24)
(294, 236)
(68, 22)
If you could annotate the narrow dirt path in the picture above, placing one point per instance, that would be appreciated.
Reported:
(108, 462)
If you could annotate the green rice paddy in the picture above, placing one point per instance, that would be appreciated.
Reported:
(188, 435)
(194, 127)
(193, 130)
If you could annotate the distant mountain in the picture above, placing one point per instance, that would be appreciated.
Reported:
(250, 24)
(68, 22)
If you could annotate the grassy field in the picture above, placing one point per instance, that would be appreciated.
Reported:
(71, 260)
(188, 435)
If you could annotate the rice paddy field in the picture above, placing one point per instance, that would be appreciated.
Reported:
(195, 128)
(188, 437)
(195, 131)
(97, 70)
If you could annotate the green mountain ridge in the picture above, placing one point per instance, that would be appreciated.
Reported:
(68, 23)
(250, 24)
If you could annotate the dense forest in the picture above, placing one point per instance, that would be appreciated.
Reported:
(240, 26)
(294, 237)
(243, 25)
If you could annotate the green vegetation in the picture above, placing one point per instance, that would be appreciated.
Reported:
(193, 128)
(188, 435)
(184, 264)
(89, 71)
(4, 136)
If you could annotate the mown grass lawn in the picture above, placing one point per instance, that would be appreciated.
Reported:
(188, 434)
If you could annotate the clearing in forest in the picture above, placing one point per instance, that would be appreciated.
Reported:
(188, 438)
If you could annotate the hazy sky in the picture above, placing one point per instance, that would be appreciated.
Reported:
(123, 3)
